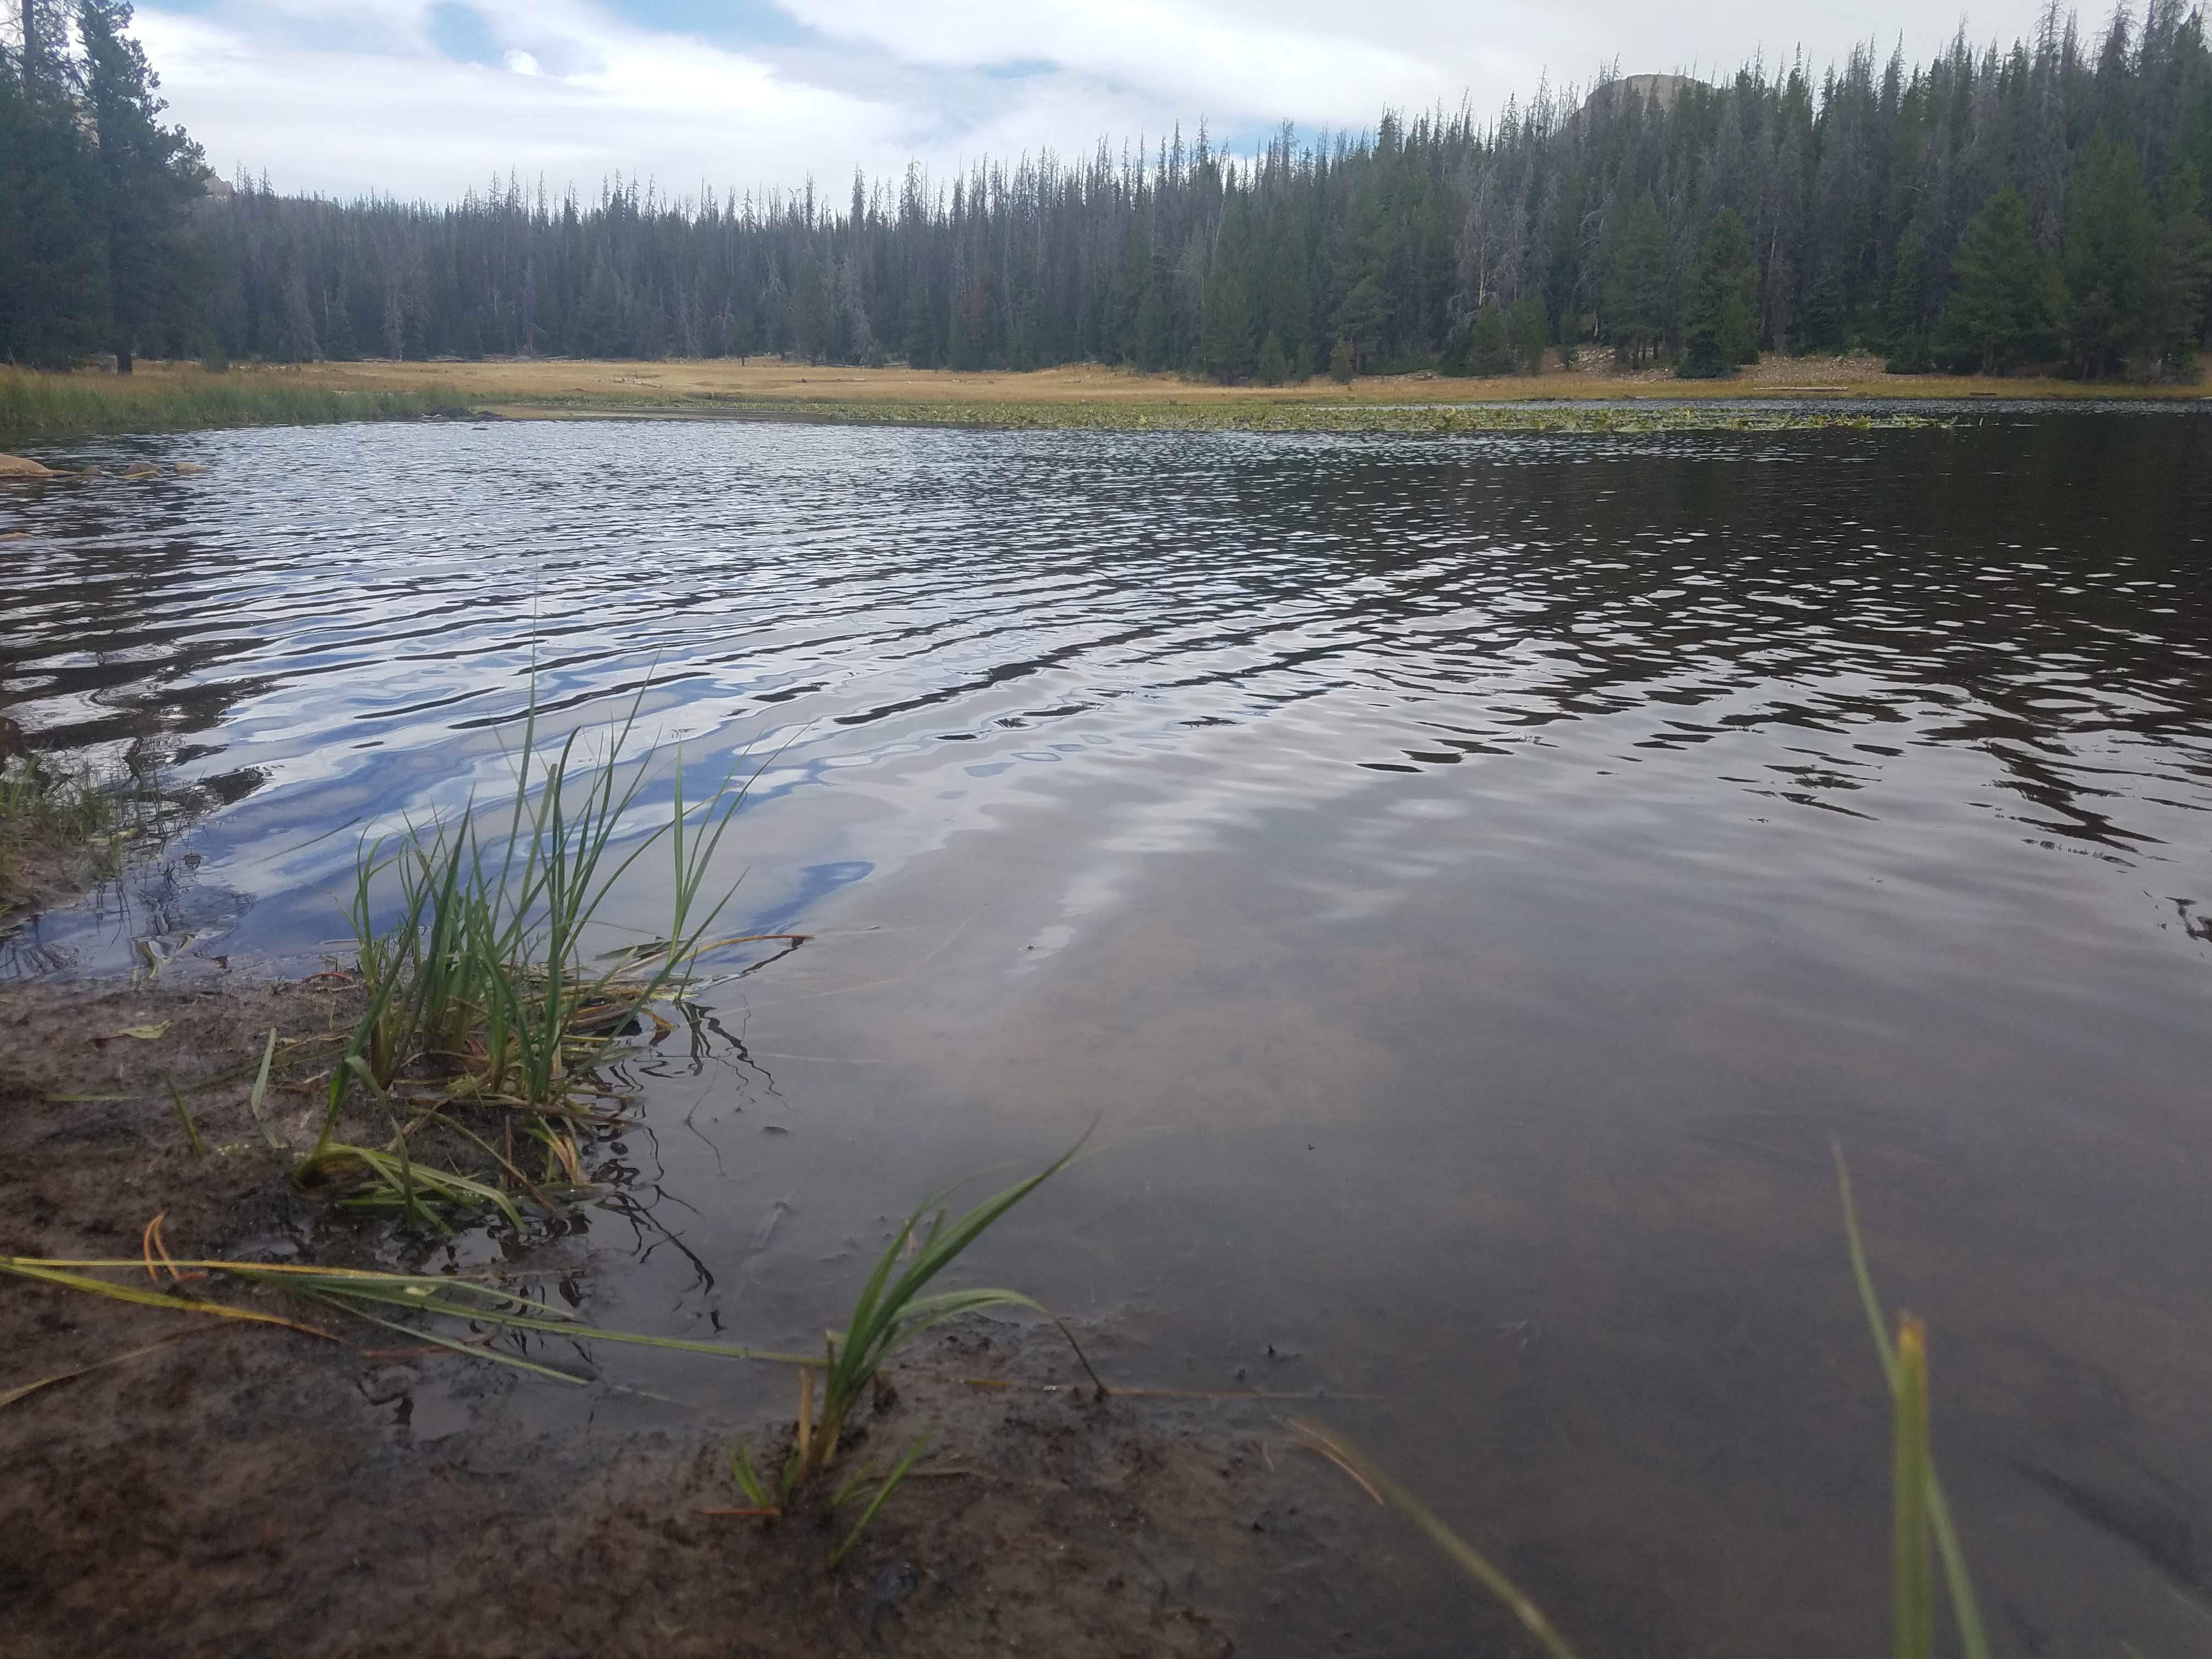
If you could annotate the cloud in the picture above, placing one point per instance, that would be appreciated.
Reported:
(424, 98)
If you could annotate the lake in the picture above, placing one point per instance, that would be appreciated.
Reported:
(1468, 883)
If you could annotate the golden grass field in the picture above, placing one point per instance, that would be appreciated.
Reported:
(182, 397)
(553, 385)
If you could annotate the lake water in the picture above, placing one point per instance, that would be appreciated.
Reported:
(1467, 882)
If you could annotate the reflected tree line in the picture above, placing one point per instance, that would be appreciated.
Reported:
(2043, 203)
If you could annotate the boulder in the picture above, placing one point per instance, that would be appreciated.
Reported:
(141, 470)
(15, 466)
(187, 469)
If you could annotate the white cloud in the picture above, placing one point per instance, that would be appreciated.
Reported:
(346, 96)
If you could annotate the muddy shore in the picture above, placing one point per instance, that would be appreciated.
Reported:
(243, 1490)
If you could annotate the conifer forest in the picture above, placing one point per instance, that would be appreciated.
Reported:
(2044, 202)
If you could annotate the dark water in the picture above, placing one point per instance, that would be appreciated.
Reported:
(1468, 882)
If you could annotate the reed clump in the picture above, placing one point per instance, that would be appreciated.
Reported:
(34, 405)
(487, 1031)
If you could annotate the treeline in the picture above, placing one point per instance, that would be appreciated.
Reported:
(2043, 203)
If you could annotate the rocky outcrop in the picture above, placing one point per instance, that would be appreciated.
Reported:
(15, 466)
(1660, 91)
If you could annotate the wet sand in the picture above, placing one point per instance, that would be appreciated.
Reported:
(241, 1490)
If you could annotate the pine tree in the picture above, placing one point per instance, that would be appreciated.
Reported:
(1155, 321)
(2185, 267)
(810, 312)
(1720, 328)
(1274, 362)
(1225, 327)
(1489, 344)
(1530, 332)
(1633, 312)
(1285, 297)
(1361, 316)
(964, 332)
(2112, 257)
(921, 335)
(2005, 310)
(53, 277)
(150, 175)
(1824, 326)
(1901, 310)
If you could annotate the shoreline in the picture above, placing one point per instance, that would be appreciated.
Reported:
(37, 410)
(272, 1493)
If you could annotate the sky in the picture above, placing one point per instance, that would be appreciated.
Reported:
(426, 99)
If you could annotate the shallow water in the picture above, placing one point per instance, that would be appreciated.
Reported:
(1467, 881)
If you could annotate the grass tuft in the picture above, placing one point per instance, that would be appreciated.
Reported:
(480, 997)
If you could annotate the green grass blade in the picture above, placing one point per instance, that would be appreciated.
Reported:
(748, 1483)
(1868, 1299)
(1965, 1610)
(882, 1494)
(846, 1493)
(477, 1350)
(185, 1116)
(1477, 1565)
(261, 1092)
(1911, 1566)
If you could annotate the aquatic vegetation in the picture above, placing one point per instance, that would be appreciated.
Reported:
(1922, 1518)
(479, 998)
(1291, 415)
(1922, 1533)
(891, 1312)
(1380, 1485)
(48, 820)
(54, 405)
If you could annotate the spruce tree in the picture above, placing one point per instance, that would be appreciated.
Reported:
(53, 274)
(1274, 362)
(1530, 331)
(1489, 344)
(1909, 351)
(1633, 313)
(1361, 317)
(921, 335)
(810, 312)
(2112, 258)
(1225, 326)
(150, 175)
(2004, 312)
(1155, 320)
(2185, 269)
(1720, 327)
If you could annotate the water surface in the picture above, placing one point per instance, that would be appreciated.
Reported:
(1467, 881)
